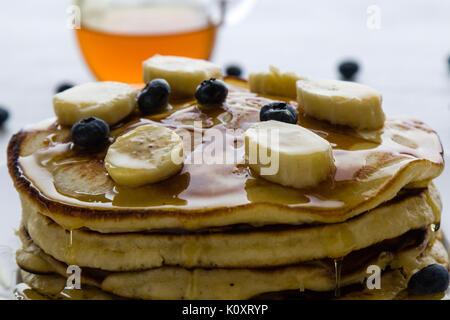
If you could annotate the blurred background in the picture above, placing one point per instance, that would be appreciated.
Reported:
(401, 48)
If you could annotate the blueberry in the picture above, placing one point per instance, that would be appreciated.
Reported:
(233, 70)
(4, 115)
(90, 133)
(212, 92)
(63, 87)
(154, 96)
(279, 111)
(431, 279)
(348, 69)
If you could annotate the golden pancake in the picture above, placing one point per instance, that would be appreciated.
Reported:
(250, 247)
(179, 283)
(74, 190)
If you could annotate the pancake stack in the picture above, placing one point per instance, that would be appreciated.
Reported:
(219, 230)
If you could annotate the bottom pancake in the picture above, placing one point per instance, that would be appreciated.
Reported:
(393, 285)
(180, 283)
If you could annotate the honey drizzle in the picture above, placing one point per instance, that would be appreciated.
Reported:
(229, 185)
(70, 251)
(337, 275)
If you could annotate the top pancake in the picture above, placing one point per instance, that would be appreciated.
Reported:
(74, 189)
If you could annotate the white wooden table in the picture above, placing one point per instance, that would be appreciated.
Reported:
(406, 59)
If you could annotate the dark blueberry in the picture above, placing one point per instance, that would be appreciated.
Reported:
(90, 133)
(348, 69)
(431, 279)
(154, 96)
(4, 115)
(233, 70)
(63, 87)
(212, 92)
(279, 111)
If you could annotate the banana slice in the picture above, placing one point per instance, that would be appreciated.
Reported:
(288, 154)
(183, 74)
(274, 82)
(109, 101)
(147, 154)
(341, 102)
